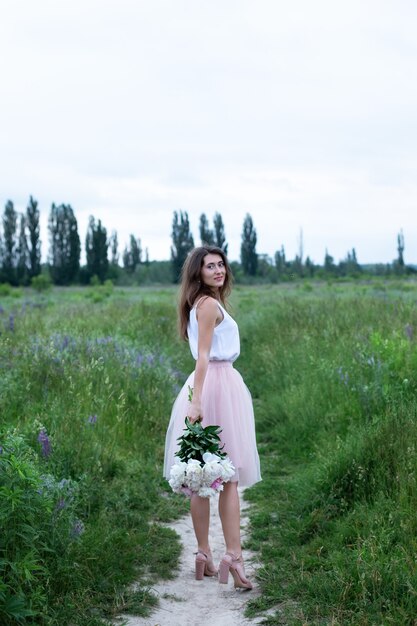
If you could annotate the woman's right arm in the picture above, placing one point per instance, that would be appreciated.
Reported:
(208, 315)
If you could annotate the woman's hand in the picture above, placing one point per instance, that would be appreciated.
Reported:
(194, 412)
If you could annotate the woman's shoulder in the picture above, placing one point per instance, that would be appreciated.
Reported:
(205, 303)
(208, 308)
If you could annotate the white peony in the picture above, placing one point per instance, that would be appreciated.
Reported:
(194, 475)
(177, 475)
(227, 469)
(176, 488)
(211, 471)
(206, 492)
(178, 467)
(208, 457)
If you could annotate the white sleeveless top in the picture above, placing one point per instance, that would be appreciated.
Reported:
(225, 345)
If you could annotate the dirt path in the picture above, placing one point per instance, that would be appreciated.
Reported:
(187, 602)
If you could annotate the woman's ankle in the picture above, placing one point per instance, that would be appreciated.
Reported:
(205, 549)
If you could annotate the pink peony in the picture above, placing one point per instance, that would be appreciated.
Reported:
(216, 484)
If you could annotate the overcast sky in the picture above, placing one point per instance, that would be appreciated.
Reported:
(301, 113)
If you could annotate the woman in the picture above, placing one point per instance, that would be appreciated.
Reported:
(219, 397)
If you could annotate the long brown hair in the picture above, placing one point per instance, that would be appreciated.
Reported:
(192, 287)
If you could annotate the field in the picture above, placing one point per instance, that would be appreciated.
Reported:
(87, 379)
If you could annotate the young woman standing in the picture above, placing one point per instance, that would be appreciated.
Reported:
(219, 397)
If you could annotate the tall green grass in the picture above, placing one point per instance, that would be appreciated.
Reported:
(85, 391)
(334, 381)
(87, 380)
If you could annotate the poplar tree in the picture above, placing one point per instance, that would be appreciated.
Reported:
(9, 243)
(309, 265)
(22, 254)
(280, 262)
(96, 246)
(399, 264)
(206, 234)
(248, 255)
(182, 242)
(34, 242)
(351, 265)
(219, 234)
(65, 246)
(114, 244)
(132, 255)
(329, 265)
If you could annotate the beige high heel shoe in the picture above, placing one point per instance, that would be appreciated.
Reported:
(234, 564)
(204, 565)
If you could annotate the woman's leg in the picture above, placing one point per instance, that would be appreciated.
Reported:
(229, 510)
(200, 514)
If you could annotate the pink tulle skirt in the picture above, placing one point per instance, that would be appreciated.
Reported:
(226, 401)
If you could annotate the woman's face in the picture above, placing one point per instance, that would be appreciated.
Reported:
(213, 272)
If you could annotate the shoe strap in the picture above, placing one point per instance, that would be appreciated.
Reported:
(203, 553)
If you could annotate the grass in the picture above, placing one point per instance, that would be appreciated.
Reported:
(334, 516)
(87, 380)
(97, 380)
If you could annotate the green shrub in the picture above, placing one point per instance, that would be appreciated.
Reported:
(99, 293)
(16, 292)
(42, 282)
(95, 281)
(5, 289)
(108, 286)
(39, 524)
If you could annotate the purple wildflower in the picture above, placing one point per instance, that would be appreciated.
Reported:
(1, 449)
(409, 331)
(61, 504)
(77, 529)
(104, 340)
(1, 310)
(92, 419)
(343, 376)
(11, 322)
(45, 443)
(48, 483)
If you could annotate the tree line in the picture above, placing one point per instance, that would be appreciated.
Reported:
(20, 247)
(279, 268)
(20, 251)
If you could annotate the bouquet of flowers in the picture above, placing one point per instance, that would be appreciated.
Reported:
(201, 467)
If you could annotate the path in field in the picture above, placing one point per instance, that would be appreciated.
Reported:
(185, 601)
